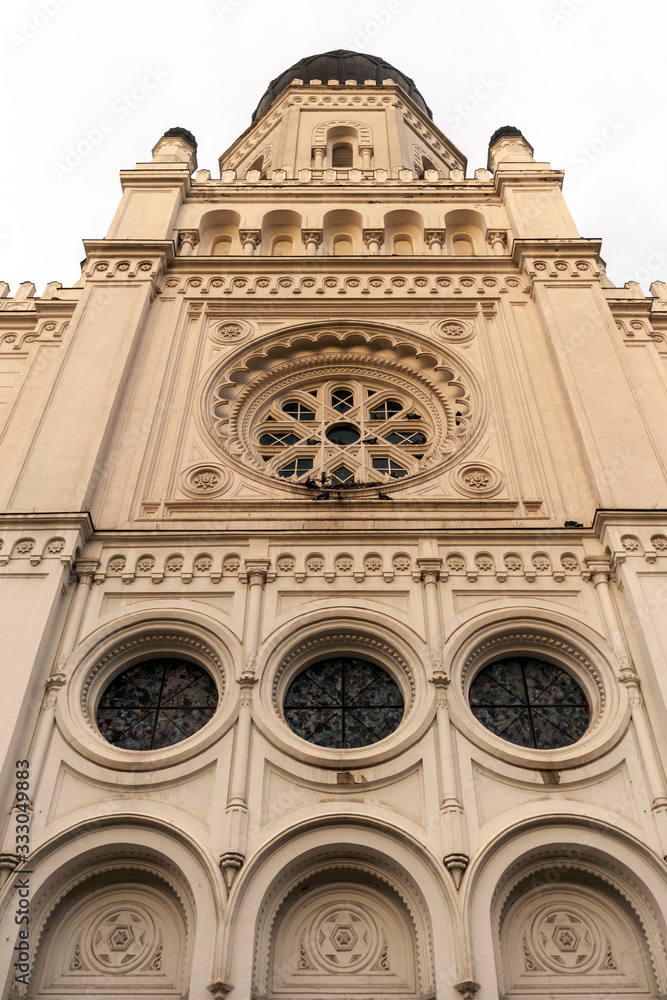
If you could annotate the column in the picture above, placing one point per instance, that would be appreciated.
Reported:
(497, 240)
(366, 153)
(187, 241)
(236, 819)
(312, 239)
(451, 809)
(250, 240)
(435, 240)
(600, 570)
(41, 741)
(319, 152)
(373, 238)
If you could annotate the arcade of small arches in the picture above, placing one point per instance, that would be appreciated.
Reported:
(343, 232)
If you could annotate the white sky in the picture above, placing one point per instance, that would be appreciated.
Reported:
(583, 79)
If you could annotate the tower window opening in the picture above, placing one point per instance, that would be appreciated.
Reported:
(341, 155)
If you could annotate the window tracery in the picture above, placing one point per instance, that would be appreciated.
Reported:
(376, 441)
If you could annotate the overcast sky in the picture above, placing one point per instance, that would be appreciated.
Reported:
(583, 79)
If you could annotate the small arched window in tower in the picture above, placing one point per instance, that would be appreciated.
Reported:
(222, 247)
(403, 244)
(342, 246)
(341, 155)
(258, 164)
(282, 246)
(463, 246)
(427, 165)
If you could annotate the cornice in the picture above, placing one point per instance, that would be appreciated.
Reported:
(536, 175)
(158, 175)
(49, 520)
(572, 248)
(627, 518)
(130, 248)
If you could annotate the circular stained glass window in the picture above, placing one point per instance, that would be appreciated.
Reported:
(530, 702)
(156, 703)
(343, 703)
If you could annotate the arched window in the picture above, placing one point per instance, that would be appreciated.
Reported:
(257, 164)
(402, 245)
(282, 246)
(222, 246)
(342, 246)
(341, 155)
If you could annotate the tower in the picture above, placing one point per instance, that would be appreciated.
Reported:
(333, 570)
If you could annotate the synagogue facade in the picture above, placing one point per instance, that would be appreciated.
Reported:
(334, 579)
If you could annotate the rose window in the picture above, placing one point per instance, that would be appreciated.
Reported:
(530, 702)
(343, 702)
(343, 435)
(156, 703)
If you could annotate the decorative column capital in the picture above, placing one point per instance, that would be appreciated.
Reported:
(432, 236)
(256, 571)
(373, 236)
(599, 568)
(496, 236)
(85, 570)
(187, 241)
(252, 236)
(312, 236)
(430, 569)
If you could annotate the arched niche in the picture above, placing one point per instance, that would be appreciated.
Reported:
(565, 930)
(339, 145)
(403, 233)
(342, 229)
(465, 233)
(612, 891)
(122, 930)
(281, 234)
(346, 921)
(219, 234)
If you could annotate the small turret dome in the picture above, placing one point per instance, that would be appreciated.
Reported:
(340, 65)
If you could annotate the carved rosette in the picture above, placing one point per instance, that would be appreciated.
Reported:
(229, 332)
(454, 330)
(477, 479)
(205, 481)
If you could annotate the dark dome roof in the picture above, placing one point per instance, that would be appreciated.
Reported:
(340, 65)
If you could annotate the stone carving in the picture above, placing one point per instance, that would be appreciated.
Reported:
(231, 564)
(513, 563)
(659, 543)
(146, 564)
(286, 564)
(53, 548)
(485, 564)
(121, 940)
(203, 564)
(402, 564)
(344, 564)
(174, 565)
(569, 563)
(630, 543)
(373, 564)
(455, 564)
(477, 479)
(205, 480)
(117, 564)
(315, 564)
(542, 563)
(230, 331)
(24, 547)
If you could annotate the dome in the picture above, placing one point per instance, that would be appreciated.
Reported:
(340, 65)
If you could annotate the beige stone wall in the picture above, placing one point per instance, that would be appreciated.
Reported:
(142, 519)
